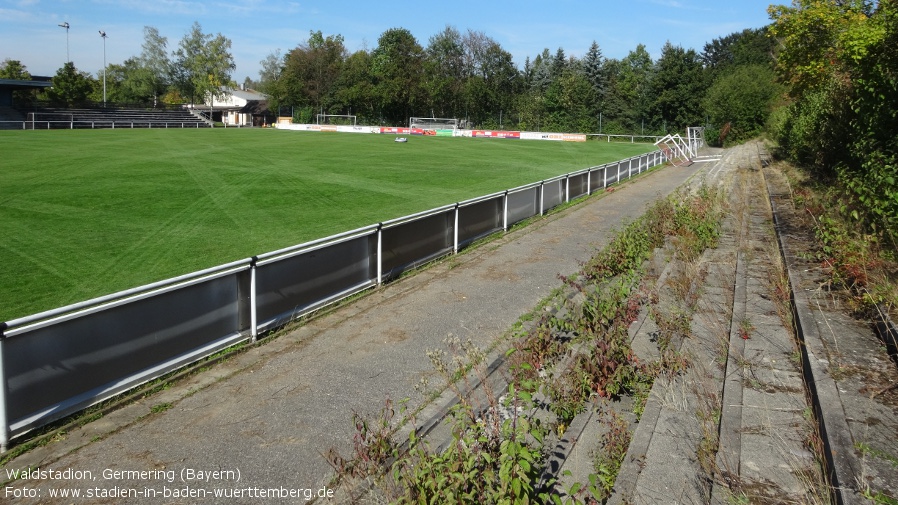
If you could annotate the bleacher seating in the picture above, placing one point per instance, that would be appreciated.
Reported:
(10, 119)
(55, 118)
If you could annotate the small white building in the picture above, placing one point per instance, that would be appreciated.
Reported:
(241, 107)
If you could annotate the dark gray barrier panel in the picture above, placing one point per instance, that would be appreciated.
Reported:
(553, 193)
(616, 172)
(412, 241)
(578, 185)
(59, 368)
(294, 281)
(522, 203)
(596, 179)
(478, 218)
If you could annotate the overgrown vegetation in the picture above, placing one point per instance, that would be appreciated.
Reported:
(564, 361)
(857, 260)
(839, 62)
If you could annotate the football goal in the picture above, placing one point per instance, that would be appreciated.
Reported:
(433, 123)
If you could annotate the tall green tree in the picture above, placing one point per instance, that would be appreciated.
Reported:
(629, 98)
(398, 71)
(743, 98)
(71, 87)
(315, 67)
(444, 73)
(492, 80)
(678, 86)
(355, 88)
(203, 65)
(155, 61)
(130, 82)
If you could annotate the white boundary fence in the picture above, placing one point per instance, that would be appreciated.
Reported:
(57, 362)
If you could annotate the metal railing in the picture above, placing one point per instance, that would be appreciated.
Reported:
(57, 362)
(44, 124)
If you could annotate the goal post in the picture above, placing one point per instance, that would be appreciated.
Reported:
(433, 123)
(336, 119)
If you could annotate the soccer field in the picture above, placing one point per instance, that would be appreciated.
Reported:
(84, 213)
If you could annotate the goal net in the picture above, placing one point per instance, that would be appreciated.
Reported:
(433, 123)
(335, 119)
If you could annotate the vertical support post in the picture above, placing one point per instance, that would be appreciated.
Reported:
(253, 317)
(4, 418)
(505, 212)
(567, 188)
(455, 231)
(542, 194)
(589, 182)
(605, 177)
(380, 261)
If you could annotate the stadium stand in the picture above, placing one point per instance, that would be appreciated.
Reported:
(10, 119)
(56, 118)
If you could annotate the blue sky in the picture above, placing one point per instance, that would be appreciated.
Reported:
(29, 30)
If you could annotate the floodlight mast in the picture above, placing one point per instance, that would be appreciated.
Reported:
(65, 24)
(103, 35)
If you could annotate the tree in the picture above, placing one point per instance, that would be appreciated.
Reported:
(628, 99)
(131, 82)
(677, 88)
(70, 86)
(594, 68)
(397, 65)
(271, 82)
(314, 68)
(569, 102)
(444, 73)
(744, 98)
(541, 75)
(838, 60)
(748, 47)
(491, 80)
(355, 87)
(155, 62)
(15, 70)
(203, 65)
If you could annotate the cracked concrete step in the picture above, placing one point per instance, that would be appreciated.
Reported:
(850, 374)
(765, 422)
(734, 425)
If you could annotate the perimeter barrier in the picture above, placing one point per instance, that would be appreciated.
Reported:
(58, 362)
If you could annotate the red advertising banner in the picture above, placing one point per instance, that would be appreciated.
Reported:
(403, 131)
(397, 131)
(494, 134)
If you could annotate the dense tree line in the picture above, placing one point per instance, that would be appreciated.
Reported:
(839, 62)
(466, 75)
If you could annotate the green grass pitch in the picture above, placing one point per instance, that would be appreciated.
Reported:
(84, 213)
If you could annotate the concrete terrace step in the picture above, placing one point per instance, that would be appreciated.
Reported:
(735, 425)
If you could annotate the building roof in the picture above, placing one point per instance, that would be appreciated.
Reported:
(248, 94)
(20, 84)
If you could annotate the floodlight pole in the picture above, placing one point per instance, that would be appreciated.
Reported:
(65, 24)
(103, 35)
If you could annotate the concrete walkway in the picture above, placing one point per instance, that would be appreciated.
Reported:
(264, 419)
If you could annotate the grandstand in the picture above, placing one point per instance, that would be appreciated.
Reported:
(63, 118)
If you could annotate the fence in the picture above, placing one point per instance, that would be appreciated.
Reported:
(58, 362)
(45, 124)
